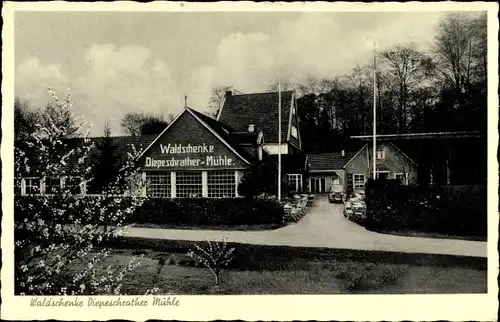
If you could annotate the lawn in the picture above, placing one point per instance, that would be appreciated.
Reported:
(321, 275)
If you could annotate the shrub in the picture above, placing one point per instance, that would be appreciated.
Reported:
(361, 276)
(215, 256)
(455, 210)
(231, 211)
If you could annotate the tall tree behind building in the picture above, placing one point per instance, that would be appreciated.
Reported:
(106, 164)
(217, 98)
(136, 124)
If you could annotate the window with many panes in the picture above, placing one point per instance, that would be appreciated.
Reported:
(32, 186)
(221, 184)
(52, 185)
(158, 184)
(188, 184)
(359, 181)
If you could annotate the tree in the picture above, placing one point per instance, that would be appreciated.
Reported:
(25, 120)
(405, 68)
(106, 164)
(136, 124)
(217, 98)
(60, 115)
(214, 256)
(56, 234)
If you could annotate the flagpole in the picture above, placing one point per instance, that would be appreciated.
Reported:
(279, 139)
(374, 114)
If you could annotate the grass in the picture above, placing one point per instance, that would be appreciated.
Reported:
(430, 235)
(181, 275)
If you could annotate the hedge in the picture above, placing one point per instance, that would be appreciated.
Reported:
(230, 211)
(454, 210)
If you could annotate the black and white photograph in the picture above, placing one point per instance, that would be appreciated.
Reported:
(151, 155)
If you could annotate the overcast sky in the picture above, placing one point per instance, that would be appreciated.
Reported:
(116, 63)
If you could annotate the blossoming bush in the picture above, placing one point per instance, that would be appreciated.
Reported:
(215, 256)
(56, 247)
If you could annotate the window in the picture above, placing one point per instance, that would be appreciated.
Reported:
(401, 177)
(380, 154)
(52, 185)
(188, 184)
(221, 184)
(251, 128)
(295, 133)
(383, 174)
(31, 186)
(158, 184)
(72, 184)
(295, 181)
(359, 181)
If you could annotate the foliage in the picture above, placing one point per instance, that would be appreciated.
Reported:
(442, 89)
(364, 276)
(206, 211)
(262, 180)
(25, 120)
(215, 256)
(106, 163)
(454, 210)
(136, 124)
(53, 243)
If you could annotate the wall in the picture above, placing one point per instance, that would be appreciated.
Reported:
(328, 178)
(187, 133)
(274, 148)
(394, 161)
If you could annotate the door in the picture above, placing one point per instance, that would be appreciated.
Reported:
(318, 185)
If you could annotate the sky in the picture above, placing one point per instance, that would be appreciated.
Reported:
(120, 62)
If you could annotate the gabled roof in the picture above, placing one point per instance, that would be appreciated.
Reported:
(329, 161)
(220, 130)
(123, 146)
(259, 109)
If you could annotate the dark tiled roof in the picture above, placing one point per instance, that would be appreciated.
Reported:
(260, 109)
(329, 161)
(226, 133)
(123, 146)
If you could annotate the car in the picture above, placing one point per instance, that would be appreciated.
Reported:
(336, 193)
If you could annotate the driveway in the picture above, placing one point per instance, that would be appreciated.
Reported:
(323, 226)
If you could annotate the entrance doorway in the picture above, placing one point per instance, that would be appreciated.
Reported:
(318, 185)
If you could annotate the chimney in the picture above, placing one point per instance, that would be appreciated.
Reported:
(343, 153)
(229, 93)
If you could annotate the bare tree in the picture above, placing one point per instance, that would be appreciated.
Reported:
(216, 100)
(405, 68)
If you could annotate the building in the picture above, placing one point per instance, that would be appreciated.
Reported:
(456, 158)
(198, 156)
(353, 168)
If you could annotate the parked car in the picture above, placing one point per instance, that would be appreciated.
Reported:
(336, 193)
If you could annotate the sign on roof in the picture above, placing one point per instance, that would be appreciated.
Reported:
(188, 145)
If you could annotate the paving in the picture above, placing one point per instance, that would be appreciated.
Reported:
(323, 226)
